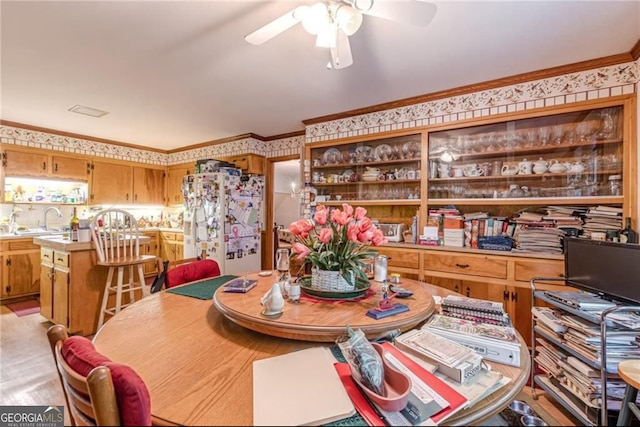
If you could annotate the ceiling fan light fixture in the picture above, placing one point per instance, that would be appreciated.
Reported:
(327, 36)
(315, 18)
(349, 19)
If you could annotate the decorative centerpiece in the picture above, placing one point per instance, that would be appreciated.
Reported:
(336, 244)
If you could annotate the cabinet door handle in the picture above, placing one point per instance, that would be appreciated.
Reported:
(88, 168)
(55, 167)
(468, 291)
(505, 295)
(127, 197)
(44, 166)
(60, 259)
(456, 288)
(135, 198)
(462, 265)
(514, 296)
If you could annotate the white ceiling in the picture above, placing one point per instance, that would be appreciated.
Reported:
(178, 73)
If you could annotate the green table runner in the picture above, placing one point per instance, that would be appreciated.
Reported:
(204, 289)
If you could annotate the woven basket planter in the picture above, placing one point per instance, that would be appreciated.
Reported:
(331, 281)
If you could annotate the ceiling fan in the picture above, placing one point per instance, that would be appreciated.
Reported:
(333, 21)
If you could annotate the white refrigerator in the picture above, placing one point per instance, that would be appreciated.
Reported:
(223, 218)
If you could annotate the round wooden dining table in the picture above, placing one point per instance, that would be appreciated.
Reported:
(197, 363)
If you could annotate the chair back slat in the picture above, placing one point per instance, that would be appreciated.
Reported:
(118, 238)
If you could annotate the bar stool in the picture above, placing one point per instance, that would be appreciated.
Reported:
(117, 242)
(629, 371)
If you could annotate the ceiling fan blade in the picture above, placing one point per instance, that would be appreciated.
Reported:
(341, 54)
(412, 12)
(277, 26)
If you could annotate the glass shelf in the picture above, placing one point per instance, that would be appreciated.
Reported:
(530, 161)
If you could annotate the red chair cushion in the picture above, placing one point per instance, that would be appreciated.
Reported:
(81, 355)
(134, 401)
(191, 272)
(132, 395)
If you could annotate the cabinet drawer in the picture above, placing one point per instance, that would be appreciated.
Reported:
(179, 237)
(21, 245)
(168, 236)
(61, 259)
(46, 254)
(473, 266)
(526, 270)
(400, 258)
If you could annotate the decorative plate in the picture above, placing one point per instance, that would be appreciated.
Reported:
(364, 151)
(383, 149)
(332, 156)
(410, 148)
(347, 174)
(305, 285)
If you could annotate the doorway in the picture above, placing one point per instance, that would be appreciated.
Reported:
(283, 201)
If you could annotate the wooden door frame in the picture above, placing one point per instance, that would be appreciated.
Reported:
(267, 247)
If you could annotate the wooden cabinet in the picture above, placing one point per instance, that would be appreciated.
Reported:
(21, 268)
(72, 285)
(171, 247)
(503, 278)
(120, 183)
(151, 248)
(249, 163)
(70, 167)
(21, 162)
(148, 186)
(111, 183)
(383, 174)
(174, 177)
(31, 162)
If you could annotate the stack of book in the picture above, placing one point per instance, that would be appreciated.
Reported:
(475, 310)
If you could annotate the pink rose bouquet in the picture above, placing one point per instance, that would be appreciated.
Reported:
(337, 240)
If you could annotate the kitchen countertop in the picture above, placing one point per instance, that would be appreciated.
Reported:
(31, 234)
(60, 243)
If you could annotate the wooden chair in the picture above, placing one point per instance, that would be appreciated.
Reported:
(117, 241)
(629, 371)
(91, 400)
(190, 270)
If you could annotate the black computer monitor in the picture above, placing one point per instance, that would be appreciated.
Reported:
(611, 269)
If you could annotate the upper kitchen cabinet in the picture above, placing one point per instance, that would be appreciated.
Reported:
(21, 162)
(111, 183)
(63, 167)
(119, 183)
(148, 185)
(248, 163)
(175, 173)
(29, 162)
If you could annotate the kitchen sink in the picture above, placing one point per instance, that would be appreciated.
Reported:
(33, 232)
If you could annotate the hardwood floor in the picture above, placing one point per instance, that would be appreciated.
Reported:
(28, 375)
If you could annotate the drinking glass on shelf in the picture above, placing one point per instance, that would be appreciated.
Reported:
(544, 133)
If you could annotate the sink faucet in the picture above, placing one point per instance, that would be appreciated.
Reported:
(46, 211)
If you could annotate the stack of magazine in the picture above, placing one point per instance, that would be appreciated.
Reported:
(475, 310)
(496, 343)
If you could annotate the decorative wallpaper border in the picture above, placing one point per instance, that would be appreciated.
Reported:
(274, 148)
(49, 141)
(574, 87)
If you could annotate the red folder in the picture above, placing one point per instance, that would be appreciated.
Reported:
(456, 400)
(357, 398)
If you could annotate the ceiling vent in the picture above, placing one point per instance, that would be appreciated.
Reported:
(88, 111)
